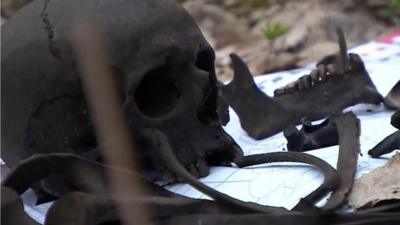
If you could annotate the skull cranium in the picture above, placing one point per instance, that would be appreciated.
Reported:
(164, 65)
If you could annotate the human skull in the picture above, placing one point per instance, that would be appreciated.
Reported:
(164, 66)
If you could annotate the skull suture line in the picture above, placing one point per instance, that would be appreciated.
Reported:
(164, 65)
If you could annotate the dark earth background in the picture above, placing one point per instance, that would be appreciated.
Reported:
(273, 35)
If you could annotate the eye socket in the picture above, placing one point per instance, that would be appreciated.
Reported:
(207, 112)
(205, 60)
(157, 94)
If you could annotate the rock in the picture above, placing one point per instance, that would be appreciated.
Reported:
(358, 28)
(293, 40)
(230, 26)
(222, 27)
(261, 58)
(377, 3)
(317, 51)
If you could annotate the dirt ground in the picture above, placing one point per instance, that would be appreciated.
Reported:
(277, 35)
(273, 35)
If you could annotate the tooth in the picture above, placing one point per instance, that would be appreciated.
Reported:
(300, 84)
(290, 88)
(193, 170)
(202, 167)
(279, 92)
(322, 72)
(295, 87)
(322, 77)
(306, 80)
(331, 69)
(321, 69)
(314, 76)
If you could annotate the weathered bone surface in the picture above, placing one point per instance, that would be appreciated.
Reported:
(82, 208)
(163, 63)
(349, 129)
(91, 208)
(12, 209)
(395, 120)
(311, 137)
(88, 209)
(391, 142)
(392, 100)
(325, 91)
(387, 145)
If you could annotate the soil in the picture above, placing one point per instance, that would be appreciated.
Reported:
(310, 25)
(273, 35)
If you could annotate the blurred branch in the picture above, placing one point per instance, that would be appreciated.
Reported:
(112, 131)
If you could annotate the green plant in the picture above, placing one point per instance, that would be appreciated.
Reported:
(272, 32)
(392, 9)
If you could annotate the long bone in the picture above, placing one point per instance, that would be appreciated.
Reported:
(86, 175)
(174, 165)
(391, 142)
(90, 178)
(279, 219)
(170, 161)
(349, 147)
(349, 131)
(89, 209)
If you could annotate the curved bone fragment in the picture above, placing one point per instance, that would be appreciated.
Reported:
(349, 130)
(12, 210)
(279, 219)
(331, 178)
(311, 137)
(171, 162)
(86, 175)
(391, 142)
(89, 209)
(387, 145)
(331, 181)
(94, 203)
(330, 92)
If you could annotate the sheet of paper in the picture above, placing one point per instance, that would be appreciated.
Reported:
(283, 184)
